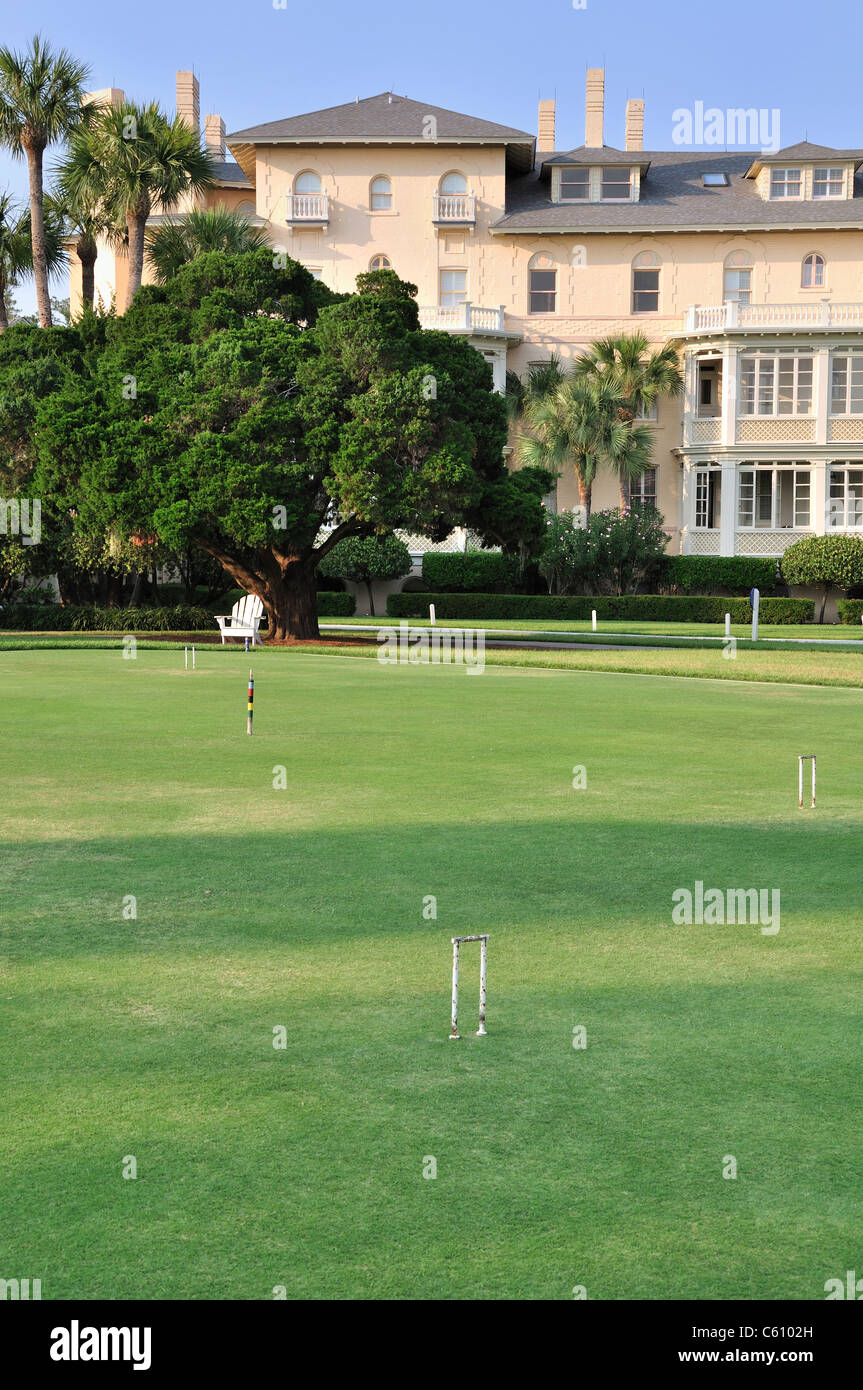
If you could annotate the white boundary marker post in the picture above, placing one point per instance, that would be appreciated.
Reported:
(593, 618)
(431, 614)
(755, 599)
(727, 624)
(483, 974)
(186, 657)
(804, 758)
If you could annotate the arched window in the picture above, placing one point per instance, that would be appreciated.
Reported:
(247, 209)
(645, 283)
(814, 272)
(380, 263)
(737, 278)
(308, 182)
(542, 284)
(453, 183)
(381, 194)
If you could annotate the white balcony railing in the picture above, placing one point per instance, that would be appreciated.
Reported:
(454, 207)
(463, 318)
(730, 318)
(308, 207)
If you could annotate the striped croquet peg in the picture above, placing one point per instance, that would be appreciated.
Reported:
(251, 701)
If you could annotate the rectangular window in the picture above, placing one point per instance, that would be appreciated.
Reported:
(846, 394)
(785, 183)
(642, 492)
(575, 185)
(708, 494)
(542, 294)
(776, 385)
(846, 498)
(616, 185)
(738, 286)
(773, 497)
(645, 291)
(453, 287)
(828, 183)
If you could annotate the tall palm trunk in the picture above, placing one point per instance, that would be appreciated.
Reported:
(85, 250)
(37, 233)
(4, 312)
(585, 492)
(624, 494)
(136, 221)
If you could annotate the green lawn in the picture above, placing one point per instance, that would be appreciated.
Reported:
(304, 908)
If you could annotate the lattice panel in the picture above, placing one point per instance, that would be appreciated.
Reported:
(766, 542)
(703, 543)
(776, 431)
(846, 431)
(706, 431)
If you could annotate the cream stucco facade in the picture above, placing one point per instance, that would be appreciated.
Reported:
(751, 264)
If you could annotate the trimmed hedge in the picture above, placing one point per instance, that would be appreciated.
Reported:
(705, 574)
(850, 611)
(644, 607)
(43, 617)
(332, 604)
(47, 617)
(470, 572)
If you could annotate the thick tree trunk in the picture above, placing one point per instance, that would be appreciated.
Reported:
(137, 222)
(624, 494)
(37, 235)
(292, 607)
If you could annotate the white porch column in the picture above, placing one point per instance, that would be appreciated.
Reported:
(730, 352)
(687, 507)
(498, 368)
(728, 507)
(690, 397)
(818, 516)
(821, 394)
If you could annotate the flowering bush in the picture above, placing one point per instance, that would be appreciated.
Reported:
(618, 552)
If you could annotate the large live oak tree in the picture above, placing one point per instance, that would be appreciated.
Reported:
(245, 410)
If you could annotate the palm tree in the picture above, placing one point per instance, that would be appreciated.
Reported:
(542, 379)
(179, 240)
(641, 377)
(89, 222)
(130, 160)
(579, 422)
(41, 96)
(16, 249)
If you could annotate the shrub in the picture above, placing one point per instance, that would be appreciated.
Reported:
(336, 605)
(616, 553)
(826, 562)
(363, 559)
(850, 610)
(710, 574)
(638, 607)
(471, 571)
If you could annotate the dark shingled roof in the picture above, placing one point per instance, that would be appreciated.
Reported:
(803, 150)
(383, 117)
(229, 172)
(594, 155)
(673, 196)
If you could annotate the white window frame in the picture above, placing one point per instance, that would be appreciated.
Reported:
(647, 270)
(761, 361)
(840, 470)
(380, 256)
(708, 479)
(541, 270)
(738, 296)
(776, 183)
(828, 170)
(853, 363)
(576, 169)
(637, 488)
(748, 496)
(451, 302)
(380, 178)
(606, 169)
(813, 258)
(308, 192)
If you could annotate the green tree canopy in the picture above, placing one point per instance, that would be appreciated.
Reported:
(237, 410)
(825, 563)
(364, 559)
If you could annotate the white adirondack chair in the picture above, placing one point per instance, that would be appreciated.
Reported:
(244, 620)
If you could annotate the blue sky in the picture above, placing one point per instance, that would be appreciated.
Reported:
(491, 58)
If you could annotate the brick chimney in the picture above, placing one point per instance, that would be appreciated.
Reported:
(189, 99)
(594, 108)
(214, 136)
(634, 125)
(545, 127)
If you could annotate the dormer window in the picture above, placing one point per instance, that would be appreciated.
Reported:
(828, 183)
(785, 183)
(575, 185)
(616, 185)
